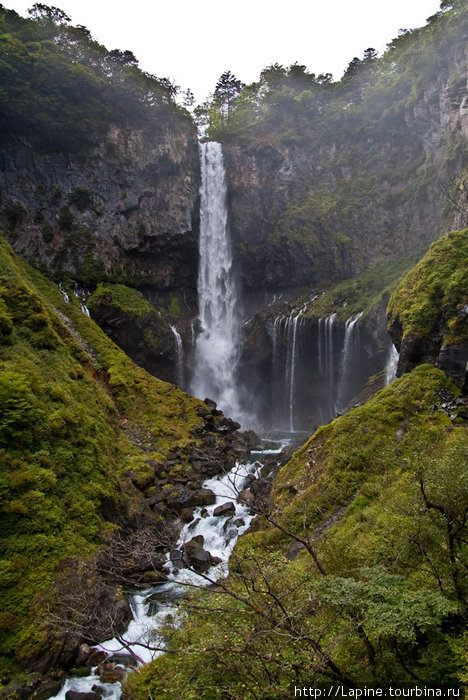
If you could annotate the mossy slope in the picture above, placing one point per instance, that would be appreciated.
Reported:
(428, 312)
(78, 424)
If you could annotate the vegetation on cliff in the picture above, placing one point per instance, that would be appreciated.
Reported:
(326, 176)
(73, 87)
(433, 297)
(363, 292)
(80, 428)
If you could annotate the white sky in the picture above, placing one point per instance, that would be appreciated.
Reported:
(192, 42)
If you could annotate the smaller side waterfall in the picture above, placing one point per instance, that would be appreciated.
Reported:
(326, 342)
(392, 365)
(82, 295)
(286, 359)
(350, 347)
(179, 356)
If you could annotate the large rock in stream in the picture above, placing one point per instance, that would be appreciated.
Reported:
(193, 554)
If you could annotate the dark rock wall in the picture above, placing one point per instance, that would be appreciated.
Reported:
(325, 377)
(127, 210)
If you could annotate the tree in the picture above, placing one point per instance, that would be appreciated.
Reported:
(46, 14)
(226, 92)
(188, 98)
(124, 58)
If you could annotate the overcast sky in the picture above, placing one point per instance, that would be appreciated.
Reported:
(192, 42)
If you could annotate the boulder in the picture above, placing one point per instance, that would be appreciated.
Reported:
(197, 557)
(95, 658)
(111, 673)
(76, 695)
(186, 515)
(122, 659)
(48, 689)
(224, 509)
(177, 558)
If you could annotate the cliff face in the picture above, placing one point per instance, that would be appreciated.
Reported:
(127, 209)
(325, 177)
(322, 209)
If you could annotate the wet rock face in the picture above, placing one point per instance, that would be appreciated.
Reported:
(453, 360)
(323, 382)
(128, 207)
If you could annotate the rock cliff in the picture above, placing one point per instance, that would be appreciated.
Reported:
(126, 210)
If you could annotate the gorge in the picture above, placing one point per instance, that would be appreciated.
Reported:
(288, 261)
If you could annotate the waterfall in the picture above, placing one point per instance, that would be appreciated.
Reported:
(216, 347)
(347, 356)
(64, 293)
(179, 356)
(285, 360)
(81, 295)
(392, 365)
(326, 347)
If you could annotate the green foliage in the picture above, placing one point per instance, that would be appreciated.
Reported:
(66, 218)
(354, 574)
(18, 412)
(175, 306)
(76, 416)
(432, 297)
(126, 299)
(14, 212)
(80, 197)
(362, 291)
(75, 86)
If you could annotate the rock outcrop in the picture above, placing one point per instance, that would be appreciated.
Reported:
(428, 312)
(125, 210)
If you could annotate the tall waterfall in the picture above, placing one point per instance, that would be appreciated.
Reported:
(216, 347)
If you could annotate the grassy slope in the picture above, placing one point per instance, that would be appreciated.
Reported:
(363, 292)
(389, 586)
(74, 427)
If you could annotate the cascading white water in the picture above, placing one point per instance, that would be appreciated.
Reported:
(216, 347)
(220, 536)
(179, 356)
(292, 373)
(326, 331)
(392, 365)
(346, 357)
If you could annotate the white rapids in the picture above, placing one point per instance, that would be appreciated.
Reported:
(156, 607)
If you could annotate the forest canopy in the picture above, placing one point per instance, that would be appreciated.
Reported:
(60, 88)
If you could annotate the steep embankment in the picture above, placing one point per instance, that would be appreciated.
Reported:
(356, 570)
(97, 461)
